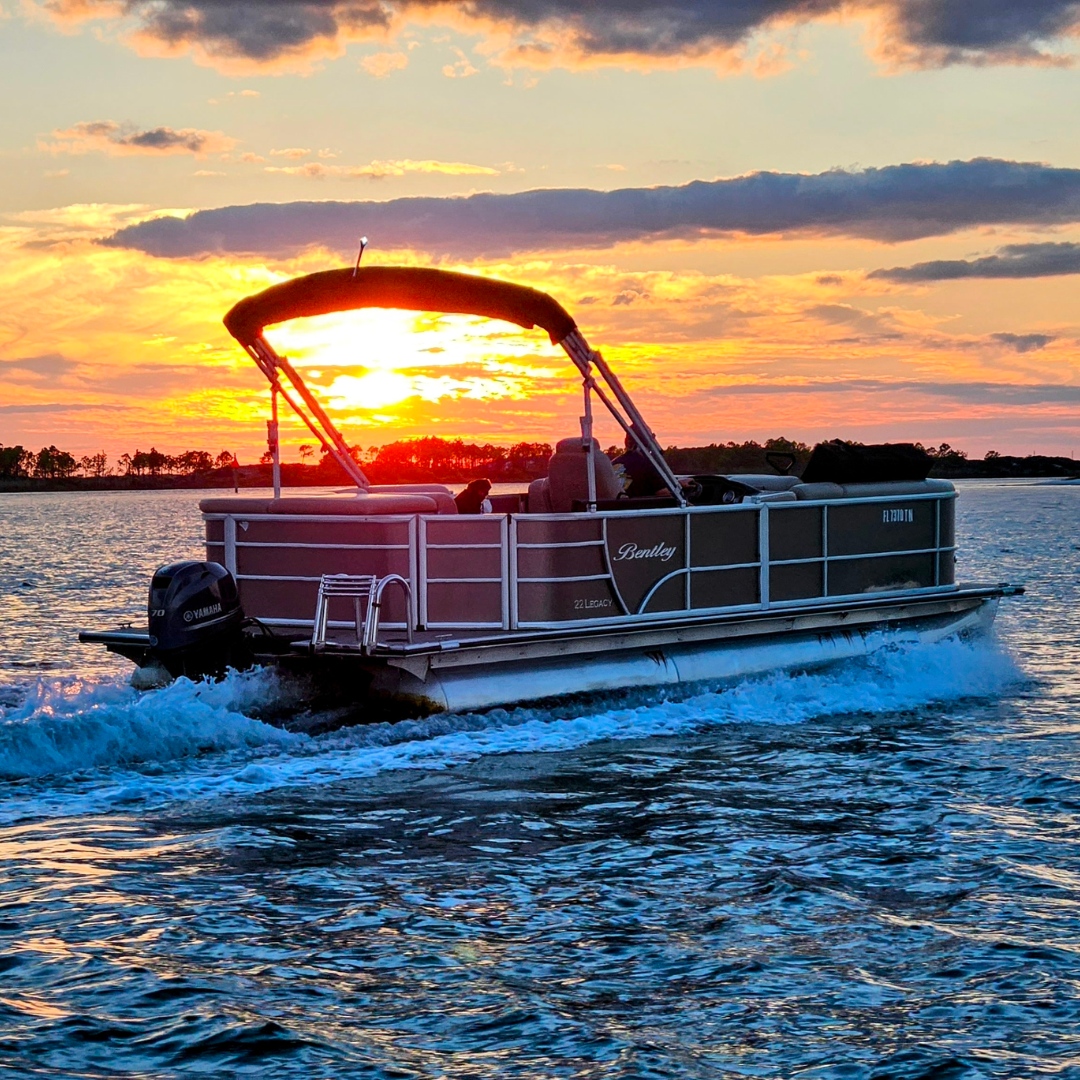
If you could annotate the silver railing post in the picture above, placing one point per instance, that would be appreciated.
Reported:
(229, 529)
(763, 553)
(273, 440)
(587, 446)
(371, 624)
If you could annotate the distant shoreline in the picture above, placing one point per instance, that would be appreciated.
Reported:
(1033, 467)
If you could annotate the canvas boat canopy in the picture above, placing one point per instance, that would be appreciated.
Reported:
(423, 289)
(408, 288)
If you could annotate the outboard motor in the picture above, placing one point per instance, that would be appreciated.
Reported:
(195, 620)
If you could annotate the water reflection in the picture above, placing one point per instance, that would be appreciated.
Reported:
(885, 889)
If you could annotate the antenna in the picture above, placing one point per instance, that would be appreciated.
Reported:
(359, 254)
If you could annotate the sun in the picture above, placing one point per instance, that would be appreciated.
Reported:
(373, 390)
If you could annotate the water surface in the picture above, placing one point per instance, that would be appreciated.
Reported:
(869, 870)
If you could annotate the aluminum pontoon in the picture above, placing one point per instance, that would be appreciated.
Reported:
(387, 597)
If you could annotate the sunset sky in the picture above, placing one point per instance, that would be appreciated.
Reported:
(806, 218)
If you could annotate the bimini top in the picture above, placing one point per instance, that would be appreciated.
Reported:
(410, 288)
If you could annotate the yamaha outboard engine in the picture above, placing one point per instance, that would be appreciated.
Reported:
(195, 620)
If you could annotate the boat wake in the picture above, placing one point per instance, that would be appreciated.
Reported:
(75, 747)
(65, 726)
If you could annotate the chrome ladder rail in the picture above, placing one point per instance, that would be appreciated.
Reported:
(358, 588)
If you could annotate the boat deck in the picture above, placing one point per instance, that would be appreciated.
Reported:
(446, 648)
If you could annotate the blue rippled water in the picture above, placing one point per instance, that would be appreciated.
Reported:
(869, 870)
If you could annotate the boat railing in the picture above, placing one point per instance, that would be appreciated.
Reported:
(463, 569)
(543, 571)
(250, 545)
(767, 560)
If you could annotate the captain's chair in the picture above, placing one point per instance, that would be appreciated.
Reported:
(567, 480)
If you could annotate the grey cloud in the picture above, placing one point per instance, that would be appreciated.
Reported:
(1010, 261)
(163, 138)
(989, 29)
(1001, 393)
(898, 202)
(48, 364)
(12, 410)
(974, 393)
(1023, 343)
(863, 322)
(256, 29)
(934, 31)
(116, 138)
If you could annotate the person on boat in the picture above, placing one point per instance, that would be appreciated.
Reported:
(639, 477)
(637, 473)
(474, 498)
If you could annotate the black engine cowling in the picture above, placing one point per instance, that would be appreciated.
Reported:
(195, 619)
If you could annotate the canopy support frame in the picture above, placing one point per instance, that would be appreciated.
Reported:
(246, 325)
(318, 423)
(584, 358)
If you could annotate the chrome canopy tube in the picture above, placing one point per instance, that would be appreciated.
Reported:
(437, 290)
(633, 423)
(322, 427)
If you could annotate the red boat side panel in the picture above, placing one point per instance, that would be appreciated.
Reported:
(463, 602)
(565, 601)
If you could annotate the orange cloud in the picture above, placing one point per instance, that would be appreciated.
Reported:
(379, 170)
(462, 68)
(383, 64)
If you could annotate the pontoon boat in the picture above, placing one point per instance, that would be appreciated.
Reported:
(391, 599)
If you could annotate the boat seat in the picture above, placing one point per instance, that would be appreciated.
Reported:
(828, 490)
(567, 480)
(822, 490)
(765, 481)
(443, 496)
(538, 501)
(897, 487)
(318, 505)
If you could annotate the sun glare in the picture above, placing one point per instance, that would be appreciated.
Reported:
(365, 361)
(375, 390)
(398, 340)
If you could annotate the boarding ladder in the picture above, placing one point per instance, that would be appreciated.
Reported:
(365, 591)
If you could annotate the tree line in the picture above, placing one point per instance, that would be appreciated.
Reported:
(751, 456)
(52, 463)
(448, 460)
(455, 456)
(406, 456)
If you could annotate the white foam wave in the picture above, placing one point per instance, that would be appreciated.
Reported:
(116, 731)
(889, 681)
(66, 726)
